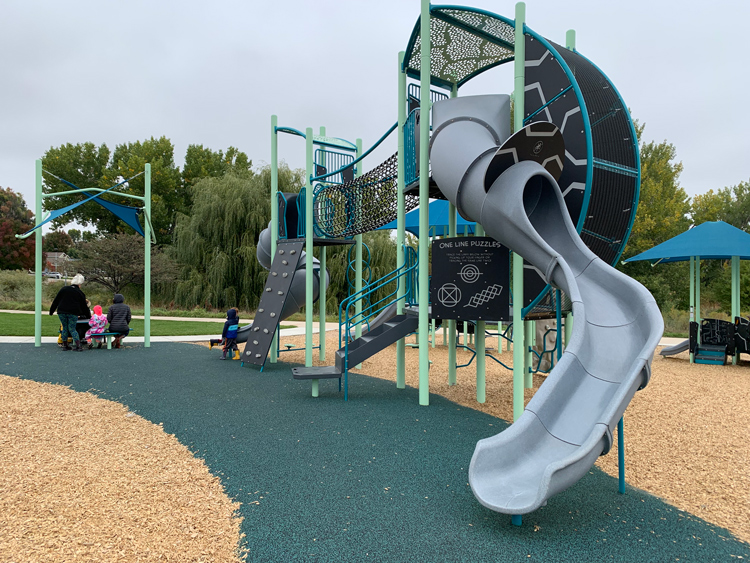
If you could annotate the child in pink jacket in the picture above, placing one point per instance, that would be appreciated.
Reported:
(97, 322)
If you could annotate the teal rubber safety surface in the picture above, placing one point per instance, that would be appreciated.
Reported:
(377, 478)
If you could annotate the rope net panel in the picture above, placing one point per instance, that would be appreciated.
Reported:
(362, 205)
(462, 44)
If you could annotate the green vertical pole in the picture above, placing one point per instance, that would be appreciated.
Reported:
(735, 296)
(309, 255)
(570, 39)
(518, 336)
(274, 215)
(570, 43)
(38, 266)
(323, 288)
(147, 262)
(480, 345)
(401, 221)
(424, 202)
(452, 232)
(698, 295)
(692, 298)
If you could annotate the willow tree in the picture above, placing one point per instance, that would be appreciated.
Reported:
(215, 245)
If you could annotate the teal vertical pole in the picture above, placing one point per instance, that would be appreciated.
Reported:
(424, 202)
(309, 254)
(466, 325)
(274, 215)
(358, 258)
(38, 266)
(147, 262)
(692, 298)
(698, 295)
(518, 329)
(529, 332)
(323, 288)
(401, 221)
(621, 455)
(452, 232)
(558, 324)
(480, 345)
(735, 296)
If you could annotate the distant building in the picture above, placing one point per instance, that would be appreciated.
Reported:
(58, 262)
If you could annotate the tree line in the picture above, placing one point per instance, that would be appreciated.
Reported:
(208, 215)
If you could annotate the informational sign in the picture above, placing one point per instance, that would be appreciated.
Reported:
(470, 279)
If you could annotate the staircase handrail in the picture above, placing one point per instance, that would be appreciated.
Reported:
(352, 321)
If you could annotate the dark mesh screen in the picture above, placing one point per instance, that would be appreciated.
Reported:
(609, 212)
(610, 127)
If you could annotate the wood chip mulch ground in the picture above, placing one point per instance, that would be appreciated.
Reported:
(83, 479)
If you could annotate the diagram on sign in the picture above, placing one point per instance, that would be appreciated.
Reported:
(485, 295)
(470, 273)
(449, 295)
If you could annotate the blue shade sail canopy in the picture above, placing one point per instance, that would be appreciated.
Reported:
(438, 221)
(710, 240)
(127, 214)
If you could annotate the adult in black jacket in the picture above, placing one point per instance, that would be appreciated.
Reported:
(70, 303)
(118, 316)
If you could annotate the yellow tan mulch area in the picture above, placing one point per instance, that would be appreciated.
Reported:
(687, 434)
(83, 479)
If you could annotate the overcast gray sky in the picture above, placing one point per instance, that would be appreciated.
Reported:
(212, 73)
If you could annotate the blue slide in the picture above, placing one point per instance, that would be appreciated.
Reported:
(571, 419)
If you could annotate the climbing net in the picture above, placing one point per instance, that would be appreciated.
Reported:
(361, 205)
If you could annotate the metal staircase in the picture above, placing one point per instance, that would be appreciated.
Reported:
(354, 351)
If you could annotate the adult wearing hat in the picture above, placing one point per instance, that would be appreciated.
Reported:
(70, 303)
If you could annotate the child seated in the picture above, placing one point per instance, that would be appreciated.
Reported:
(228, 335)
(97, 322)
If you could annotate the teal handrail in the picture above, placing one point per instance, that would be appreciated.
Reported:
(347, 321)
(368, 151)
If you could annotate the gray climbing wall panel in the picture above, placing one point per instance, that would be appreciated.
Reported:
(272, 301)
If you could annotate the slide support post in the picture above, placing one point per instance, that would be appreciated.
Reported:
(401, 221)
(424, 202)
(518, 328)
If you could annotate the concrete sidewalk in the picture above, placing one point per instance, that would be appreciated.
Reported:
(299, 328)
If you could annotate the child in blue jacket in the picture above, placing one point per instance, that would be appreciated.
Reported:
(229, 335)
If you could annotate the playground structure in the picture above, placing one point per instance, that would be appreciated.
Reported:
(561, 193)
(125, 213)
(711, 340)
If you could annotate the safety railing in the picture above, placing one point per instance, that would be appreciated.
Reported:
(349, 319)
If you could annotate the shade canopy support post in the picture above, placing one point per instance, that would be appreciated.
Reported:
(38, 259)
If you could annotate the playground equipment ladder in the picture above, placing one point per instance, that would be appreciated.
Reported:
(288, 253)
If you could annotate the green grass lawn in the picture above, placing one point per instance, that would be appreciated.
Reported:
(14, 324)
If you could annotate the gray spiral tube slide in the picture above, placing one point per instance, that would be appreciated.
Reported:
(571, 419)
(297, 292)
